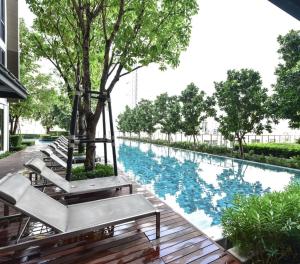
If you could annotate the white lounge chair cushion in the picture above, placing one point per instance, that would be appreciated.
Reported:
(17, 190)
(107, 211)
(75, 217)
(76, 187)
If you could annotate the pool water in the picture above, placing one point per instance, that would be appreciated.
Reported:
(198, 186)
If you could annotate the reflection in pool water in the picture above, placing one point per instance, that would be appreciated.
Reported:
(198, 186)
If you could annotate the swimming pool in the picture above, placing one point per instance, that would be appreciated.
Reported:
(198, 186)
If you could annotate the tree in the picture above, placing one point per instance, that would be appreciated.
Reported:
(286, 98)
(146, 117)
(35, 82)
(168, 112)
(114, 38)
(134, 123)
(243, 105)
(196, 107)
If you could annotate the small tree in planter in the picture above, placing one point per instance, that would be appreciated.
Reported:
(146, 117)
(168, 112)
(196, 107)
(243, 105)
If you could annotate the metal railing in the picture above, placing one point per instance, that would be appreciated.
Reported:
(218, 139)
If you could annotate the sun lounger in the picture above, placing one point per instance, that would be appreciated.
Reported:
(71, 220)
(76, 159)
(49, 153)
(77, 187)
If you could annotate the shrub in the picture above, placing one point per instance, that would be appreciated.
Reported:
(28, 143)
(48, 138)
(58, 133)
(101, 170)
(5, 154)
(17, 148)
(298, 141)
(31, 136)
(268, 227)
(282, 150)
(15, 140)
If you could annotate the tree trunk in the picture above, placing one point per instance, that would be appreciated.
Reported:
(241, 149)
(169, 137)
(91, 146)
(81, 129)
(48, 130)
(16, 124)
(194, 139)
(11, 121)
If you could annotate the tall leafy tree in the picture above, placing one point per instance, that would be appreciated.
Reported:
(35, 82)
(243, 105)
(286, 98)
(196, 107)
(110, 39)
(126, 121)
(168, 112)
(146, 116)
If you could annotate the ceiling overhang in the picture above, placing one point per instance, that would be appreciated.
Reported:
(292, 7)
(10, 87)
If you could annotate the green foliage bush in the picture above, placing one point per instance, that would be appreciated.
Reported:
(28, 143)
(101, 170)
(31, 136)
(298, 141)
(17, 148)
(15, 140)
(58, 133)
(48, 138)
(5, 154)
(268, 227)
(282, 150)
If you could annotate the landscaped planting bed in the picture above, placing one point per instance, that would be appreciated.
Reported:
(101, 170)
(282, 150)
(266, 227)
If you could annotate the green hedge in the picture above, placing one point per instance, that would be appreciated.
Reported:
(48, 138)
(17, 148)
(101, 170)
(268, 227)
(28, 143)
(58, 133)
(282, 150)
(15, 140)
(31, 136)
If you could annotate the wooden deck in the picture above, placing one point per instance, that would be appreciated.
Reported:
(133, 242)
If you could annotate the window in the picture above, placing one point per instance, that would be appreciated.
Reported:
(1, 129)
(2, 20)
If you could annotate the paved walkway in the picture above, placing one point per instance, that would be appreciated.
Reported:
(15, 162)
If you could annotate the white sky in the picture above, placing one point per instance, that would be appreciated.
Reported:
(226, 34)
